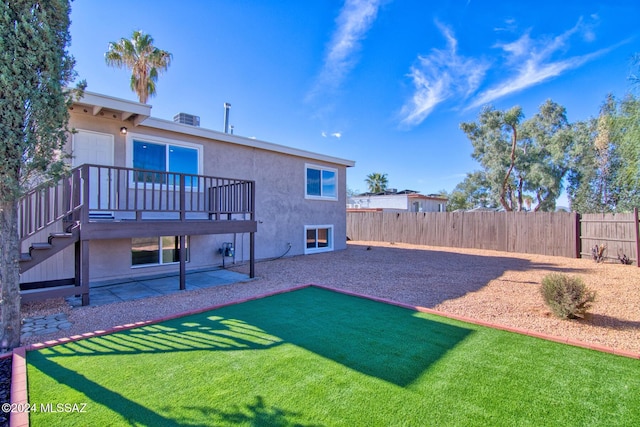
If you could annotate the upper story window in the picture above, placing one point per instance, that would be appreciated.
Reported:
(164, 155)
(321, 182)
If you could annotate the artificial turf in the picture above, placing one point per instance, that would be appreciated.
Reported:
(314, 357)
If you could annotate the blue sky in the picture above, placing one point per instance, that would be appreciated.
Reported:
(384, 83)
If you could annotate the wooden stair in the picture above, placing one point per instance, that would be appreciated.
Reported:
(40, 251)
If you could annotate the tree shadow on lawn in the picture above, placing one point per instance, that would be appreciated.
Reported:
(439, 276)
(253, 414)
(380, 340)
(257, 414)
(133, 412)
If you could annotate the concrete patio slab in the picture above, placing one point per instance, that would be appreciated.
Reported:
(114, 291)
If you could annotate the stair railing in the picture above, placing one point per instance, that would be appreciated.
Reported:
(49, 203)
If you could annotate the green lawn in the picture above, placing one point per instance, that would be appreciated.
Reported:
(314, 357)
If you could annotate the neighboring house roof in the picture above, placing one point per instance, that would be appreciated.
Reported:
(140, 115)
(412, 194)
(479, 209)
(427, 197)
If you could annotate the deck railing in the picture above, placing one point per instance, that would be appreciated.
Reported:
(49, 203)
(94, 192)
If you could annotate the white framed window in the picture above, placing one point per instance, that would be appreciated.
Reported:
(147, 251)
(321, 182)
(162, 154)
(318, 238)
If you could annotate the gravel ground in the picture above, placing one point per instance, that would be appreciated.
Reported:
(486, 285)
(492, 286)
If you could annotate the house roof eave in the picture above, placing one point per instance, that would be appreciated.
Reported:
(127, 109)
(171, 126)
(140, 115)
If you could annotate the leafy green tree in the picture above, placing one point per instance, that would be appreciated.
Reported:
(472, 192)
(584, 171)
(522, 159)
(625, 161)
(143, 59)
(546, 141)
(589, 180)
(34, 71)
(605, 171)
(376, 182)
(495, 142)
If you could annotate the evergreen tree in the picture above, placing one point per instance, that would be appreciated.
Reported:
(522, 160)
(35, 68)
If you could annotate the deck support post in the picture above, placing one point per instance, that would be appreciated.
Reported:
(183, 263)
(82, 268)
(252, 255)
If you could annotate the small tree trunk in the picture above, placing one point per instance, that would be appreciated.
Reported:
(520, 191)
(514, 142)
(9, 277)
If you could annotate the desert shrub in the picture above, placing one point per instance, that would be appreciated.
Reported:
(568, 297)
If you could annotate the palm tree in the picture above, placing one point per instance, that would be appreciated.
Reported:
(143, 59)
(377, 182)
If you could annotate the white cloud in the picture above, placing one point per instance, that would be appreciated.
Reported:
(445, 75)
(333, 135)
(509, 25)
(533, 62)
(531, 73)
(352, 25)
(439, 76)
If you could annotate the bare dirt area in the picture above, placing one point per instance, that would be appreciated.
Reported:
(496, 287)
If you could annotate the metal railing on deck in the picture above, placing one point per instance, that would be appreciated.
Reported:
(94, 192)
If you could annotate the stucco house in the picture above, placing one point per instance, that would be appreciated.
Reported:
(392, 200)
(153, 196)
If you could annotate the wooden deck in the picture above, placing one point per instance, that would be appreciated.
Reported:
(105, 202)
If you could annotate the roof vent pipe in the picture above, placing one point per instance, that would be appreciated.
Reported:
(227, 106)
(231, 129)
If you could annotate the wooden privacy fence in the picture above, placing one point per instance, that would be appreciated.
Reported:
(618, 232)
(566, 234)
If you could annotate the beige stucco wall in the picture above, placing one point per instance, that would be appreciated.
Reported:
(281, 208)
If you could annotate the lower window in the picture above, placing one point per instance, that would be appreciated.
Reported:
(156, 250)
(319, 238)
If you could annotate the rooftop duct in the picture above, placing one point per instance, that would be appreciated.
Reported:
(227, 107)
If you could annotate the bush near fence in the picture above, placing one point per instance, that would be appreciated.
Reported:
(566, 234)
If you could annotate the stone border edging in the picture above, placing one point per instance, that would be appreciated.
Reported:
(19, 392)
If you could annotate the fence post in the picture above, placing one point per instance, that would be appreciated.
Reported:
(635, 219)
(578, 237)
